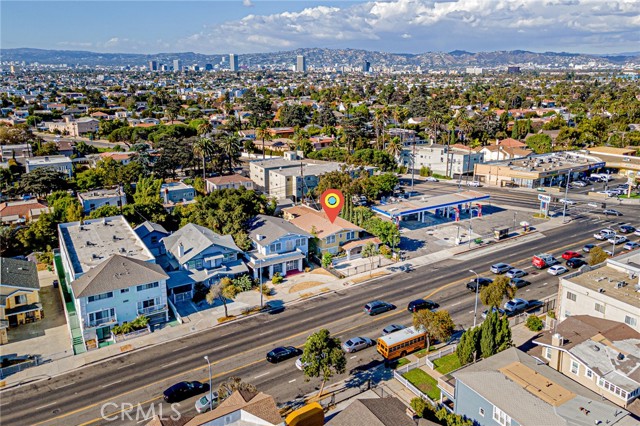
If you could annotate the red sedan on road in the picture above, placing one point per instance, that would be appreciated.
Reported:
(570, 255)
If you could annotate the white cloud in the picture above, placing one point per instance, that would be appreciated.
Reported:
(431, 25)
(247, 3)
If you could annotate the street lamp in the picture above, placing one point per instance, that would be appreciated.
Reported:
(206, 357)
(259, 261)
(566, 195)
(475, 309)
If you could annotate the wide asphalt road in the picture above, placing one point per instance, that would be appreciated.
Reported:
(88, 395)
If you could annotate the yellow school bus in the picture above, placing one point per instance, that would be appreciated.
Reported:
(401, 343)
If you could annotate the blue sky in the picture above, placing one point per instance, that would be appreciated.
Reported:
(411, 26)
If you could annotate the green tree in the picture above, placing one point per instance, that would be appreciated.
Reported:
(222, 290)
(147, 191)
(495, 335)
(104, 211)
(88, 179)
(203, 148)
(597, 256)
(425, 171)
(230, 147)
(468, 348)
(386, 231)
(493, 294)
(42, 181)
(327, 257)
(323, 357)
(438, 325)
(534, 323)
(539, 143)
(370, 251)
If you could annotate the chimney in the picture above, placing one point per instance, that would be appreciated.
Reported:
(497, 142)
(166, 195)
(557, 340)
(180, 250)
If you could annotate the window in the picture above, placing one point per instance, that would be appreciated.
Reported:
(276, 247)
(100, 296)
(588, 373)
(124, 290)
(571, 296)
(599, 308)
(350, 235)
(547, 353)
(481, 411)
(501, 417)
(330, 239)
(198, 263)
(575, 367)
(101, 317)
(632, 321)
(154, 239)
(300, 242)
(147, 286)
(613, 389)
(20, 299)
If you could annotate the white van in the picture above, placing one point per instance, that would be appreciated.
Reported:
(605, 177)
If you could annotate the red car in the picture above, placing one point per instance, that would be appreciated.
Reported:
(570, 255)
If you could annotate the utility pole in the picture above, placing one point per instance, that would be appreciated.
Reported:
(413, 163)
(206, 357)
(475, 309)
(566, 194)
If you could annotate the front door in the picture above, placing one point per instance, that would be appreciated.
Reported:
(103, 333)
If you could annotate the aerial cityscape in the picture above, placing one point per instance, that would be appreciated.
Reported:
(341, 213)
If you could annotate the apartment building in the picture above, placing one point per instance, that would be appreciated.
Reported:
(92, 200)
(56, 162)
(443, 160)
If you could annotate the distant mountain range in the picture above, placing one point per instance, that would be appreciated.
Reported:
(318, 57)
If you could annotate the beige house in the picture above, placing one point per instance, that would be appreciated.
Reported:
(608, 291)
(601, 355)
(228, 182)
(19, 295)
(72, 127)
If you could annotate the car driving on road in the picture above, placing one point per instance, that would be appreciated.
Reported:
(494, 309)
(357, 343)
(202, 404)
(617, 239)
(570, 255)
(515, 305)
(392, 329)
(611, 212)
(626, 229)
(519, 282)
(631, 245)
(183, 390)
(515, 273)
(587, 247)
(500, 268)
(604, 234)
(377, 307)
(471, 285)
(557, 270)
(282, 353)
(419, 304)
(576, 262)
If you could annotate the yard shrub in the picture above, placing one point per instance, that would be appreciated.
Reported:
(534, 323)
(419, 405)
(277, 278)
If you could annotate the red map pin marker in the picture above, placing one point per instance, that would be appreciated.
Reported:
(332, 201)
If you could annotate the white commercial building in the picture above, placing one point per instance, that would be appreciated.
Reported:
(443, 160)
(57, 162)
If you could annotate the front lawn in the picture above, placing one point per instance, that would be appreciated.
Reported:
(427, 384)
(423, 352)
(447, 363)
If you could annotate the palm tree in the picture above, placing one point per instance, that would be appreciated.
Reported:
(263, 133)
(230, 146)
(203, 148)
(394, 147)
(205, 128)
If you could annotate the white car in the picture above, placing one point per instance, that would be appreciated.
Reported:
(631, 246)
(604, 234)
(300, 365)
(637, 232)
(617, 239)
(474, 183)
(557, 270)
(515, 273)
(567, 202)
(202, 404)
(431, 179)
(357, 343)
(579, 183)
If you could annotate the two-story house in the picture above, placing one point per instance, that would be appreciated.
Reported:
(602, 355)
(19, 294)
(174, 193)
(278, 247)
(151, 235)
(197, 254)
(92, 200)
(112, 278)
(234, 181)
(329, 237)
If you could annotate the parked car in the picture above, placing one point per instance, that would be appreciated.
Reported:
(416, 305)
(431, 179)
(570, 255)
(471, 285)
(516, 305)
(617, 239)
(392, 329)
(519, 282)
(611, 212)
(500, 268)
(183, 390)
(377, 307)
(515, 273)
(300, 365)
(626, 229)
(282, 353)
(474, 183)
(494, 309)
(604, 234)
(567, 202)
(631, 245)
(357, 343)
(576, 262)
(579, 183)
(587, 247)
(202, 404)
(511, 185)
(637, 233)
(557, 270)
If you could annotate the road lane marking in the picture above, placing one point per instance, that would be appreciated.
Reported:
(291, 381)
(64, 386)
(179, 349)
(353, 357)
(168, 364)
(125, 366)
(305, 332)
(261, 375)
(44, 406)
(112, 383)
(223, 346)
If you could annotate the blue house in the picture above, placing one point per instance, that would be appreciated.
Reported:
(512, 388)
(151, 235)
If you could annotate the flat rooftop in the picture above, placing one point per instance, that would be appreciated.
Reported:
(425, 203)
(51, 159)
(172, 186)
(100, 193)
(552, 162)
(96, 240)
(607, 278)
(309, 169)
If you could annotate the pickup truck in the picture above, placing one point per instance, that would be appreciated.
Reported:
(543, 260)
(604, 234)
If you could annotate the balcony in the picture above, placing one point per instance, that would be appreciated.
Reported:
(101, 322)
(152, 310)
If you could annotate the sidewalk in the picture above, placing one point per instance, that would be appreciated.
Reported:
(283, 296)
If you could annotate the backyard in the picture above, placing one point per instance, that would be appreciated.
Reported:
(447, 363)
(427, 384)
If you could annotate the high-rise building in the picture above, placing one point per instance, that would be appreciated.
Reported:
(208, 67)
(153, 65)
(366, 66)
(301, 64)
(177, 65)
(233, 62)
(513, 70)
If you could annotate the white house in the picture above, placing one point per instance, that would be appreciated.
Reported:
(57, 162)
(92, 200)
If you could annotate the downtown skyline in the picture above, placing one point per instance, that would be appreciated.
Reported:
(398, 26)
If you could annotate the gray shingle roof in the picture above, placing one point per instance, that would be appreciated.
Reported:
(195, 239)
(147, 227)
(116, 273)
(18, 273)
(373, 412)
(273, 228)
